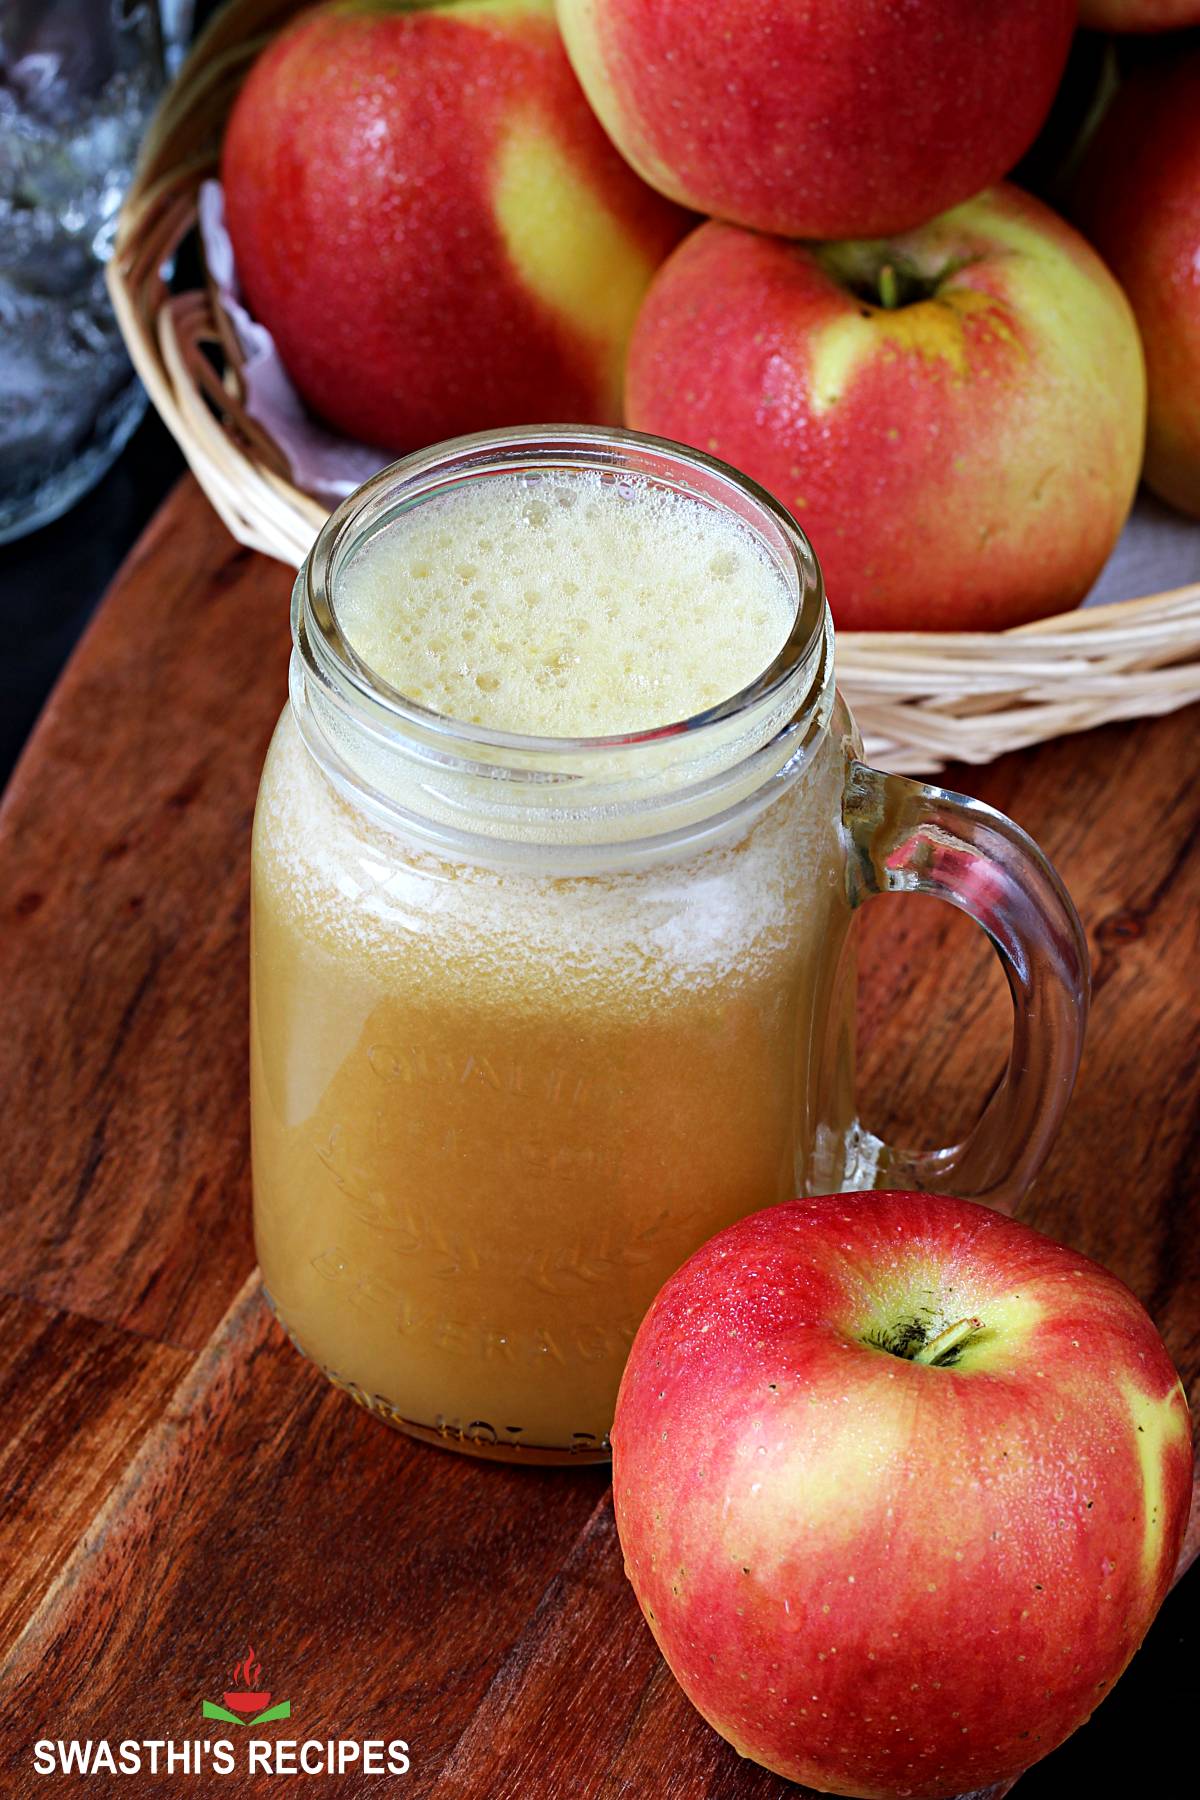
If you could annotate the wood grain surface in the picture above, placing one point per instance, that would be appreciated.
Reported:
(78, 1400)
(177, 1484)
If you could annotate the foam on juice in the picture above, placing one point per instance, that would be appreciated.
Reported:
(565, 605)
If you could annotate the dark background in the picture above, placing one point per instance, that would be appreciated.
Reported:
(50, 583)
(52, 580)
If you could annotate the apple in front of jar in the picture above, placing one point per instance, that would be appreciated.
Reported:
(900, 1485)
(826, 121)
(428, 218)
(954, 414)
(1138, 199)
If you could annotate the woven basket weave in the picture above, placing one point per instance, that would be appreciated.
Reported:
(921, 699)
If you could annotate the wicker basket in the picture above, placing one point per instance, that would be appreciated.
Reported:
(921, 699)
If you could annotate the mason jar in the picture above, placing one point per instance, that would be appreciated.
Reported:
(534, 1017)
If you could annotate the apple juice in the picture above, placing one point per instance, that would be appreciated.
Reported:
(505, 1082)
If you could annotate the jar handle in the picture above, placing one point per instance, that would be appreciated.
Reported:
(908, 837)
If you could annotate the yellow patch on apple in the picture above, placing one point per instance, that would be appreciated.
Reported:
(1158, 1426)
(565, 244)
(466, 12)
(934, 330)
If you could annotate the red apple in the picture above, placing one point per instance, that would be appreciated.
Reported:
(900, 1485)
(954, 414)
(1138, 15)
(825, 121)
(1138, 199)
(427, 216)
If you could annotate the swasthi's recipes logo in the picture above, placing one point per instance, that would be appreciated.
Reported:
(245, 1704)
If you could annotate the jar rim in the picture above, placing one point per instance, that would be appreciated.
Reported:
(461, 786)
(619, 451)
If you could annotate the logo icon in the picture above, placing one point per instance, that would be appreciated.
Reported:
(246, 1703)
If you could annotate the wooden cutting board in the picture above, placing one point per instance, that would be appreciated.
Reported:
(177, 1484)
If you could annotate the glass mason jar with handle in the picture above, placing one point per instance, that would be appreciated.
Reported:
(534, 1017)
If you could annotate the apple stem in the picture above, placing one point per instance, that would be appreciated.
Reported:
(889, 287)
(948, 1341)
